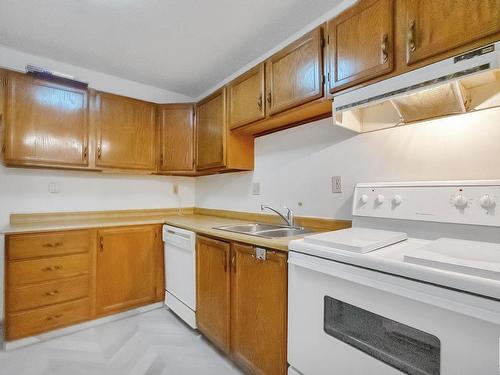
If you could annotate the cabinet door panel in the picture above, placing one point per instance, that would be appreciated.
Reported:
(435, 27)
(259, 310)
(126, 274)
(245, 98)
(46, 123)
(213, 290)
(211, 131)
(125, 132)
(295, 75)
(361, 43)
(176, 138)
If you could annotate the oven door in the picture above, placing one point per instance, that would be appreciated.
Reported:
(348, 320)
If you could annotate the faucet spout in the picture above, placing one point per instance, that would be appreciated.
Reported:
(288, 218)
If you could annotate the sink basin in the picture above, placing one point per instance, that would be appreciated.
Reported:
(265, 230)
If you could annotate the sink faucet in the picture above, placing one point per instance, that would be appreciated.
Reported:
(288, 218)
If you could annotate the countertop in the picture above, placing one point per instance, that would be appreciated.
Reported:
(201, 224)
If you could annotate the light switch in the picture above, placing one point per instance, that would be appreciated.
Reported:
(54, 187)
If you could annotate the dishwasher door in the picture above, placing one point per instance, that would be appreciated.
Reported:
(180, 272)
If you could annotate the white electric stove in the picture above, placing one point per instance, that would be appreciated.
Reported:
(412, 288)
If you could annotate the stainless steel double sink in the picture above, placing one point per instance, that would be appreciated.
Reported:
(265, 230)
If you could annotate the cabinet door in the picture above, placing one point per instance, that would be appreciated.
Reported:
(245, 98)
(435, 27)
(211, 131)
(295, 74)
(213, 290)
(125, 132)
(176, 137)
(46, 123)
(125, 268)
(259, 310)
(360, 43)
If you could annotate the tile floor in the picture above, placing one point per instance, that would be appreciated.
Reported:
(153, 343)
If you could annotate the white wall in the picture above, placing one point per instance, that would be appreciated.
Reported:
(296, 165)
(16, 60)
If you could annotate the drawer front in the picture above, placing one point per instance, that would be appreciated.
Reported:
(33, 296)
(39, 270)
(46, 318)
(23, 246)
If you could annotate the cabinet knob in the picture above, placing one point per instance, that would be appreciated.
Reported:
(51, 293)
(411, 36)
(384, 46)
(259, 102)
(269, 97)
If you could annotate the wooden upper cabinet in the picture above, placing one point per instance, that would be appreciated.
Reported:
(259, 310)
(176, 128)
(125, 131)
(294, 75)
(435, 27)
(245, 98)
(361, 43)
(46, 123)
(211, 131)
(126, 275)
(213, 290)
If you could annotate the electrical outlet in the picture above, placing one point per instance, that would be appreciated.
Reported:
(255, 188)
(54, 188)
(175, 189)
(336, 184)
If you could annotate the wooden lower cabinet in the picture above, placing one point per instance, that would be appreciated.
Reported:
(242, 303)
(125, 268)
(57, 279)
(213, 290)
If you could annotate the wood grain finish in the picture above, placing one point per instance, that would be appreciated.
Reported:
(246, 98)
(45, 269)
(295, 74)
(437, 27)
(361, 43)
(211, 131)
(159, 264)
(259, 311)
(176, 128)
(125, 268)
(46, 123)
(213, 290)
(125, 131)
(47, 244)
(40, 320)
(49, 293)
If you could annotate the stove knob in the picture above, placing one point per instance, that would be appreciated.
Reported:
(380, 199)
(460, 201)
(397, 200)
(363, 199)
(486, 202)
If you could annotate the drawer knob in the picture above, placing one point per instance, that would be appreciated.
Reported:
(52, 268)
(52, 293)
(53, 317)
(53, 244)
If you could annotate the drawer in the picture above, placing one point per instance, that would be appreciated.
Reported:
(23, 246)
(45, 269)
(44, 319)
(38, 295)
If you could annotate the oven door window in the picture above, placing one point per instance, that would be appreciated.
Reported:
(406, 348)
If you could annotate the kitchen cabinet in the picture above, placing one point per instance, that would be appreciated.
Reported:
(259, 310)
(176, 138)
(294, 75)
(361, 43)
(434, 27)
(49, 281)
(213, 290)
(125, 132)
(125, 268)
(46, 123)
(217, 148)
(245, 98)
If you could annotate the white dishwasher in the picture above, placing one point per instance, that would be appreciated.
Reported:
(180, 272)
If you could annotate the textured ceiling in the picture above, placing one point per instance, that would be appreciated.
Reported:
(185, 46)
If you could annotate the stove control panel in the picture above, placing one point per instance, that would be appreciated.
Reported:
(459, 202)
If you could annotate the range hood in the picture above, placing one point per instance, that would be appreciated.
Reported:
(464, 83)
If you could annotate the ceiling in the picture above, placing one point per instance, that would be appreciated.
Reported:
(186, 46)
